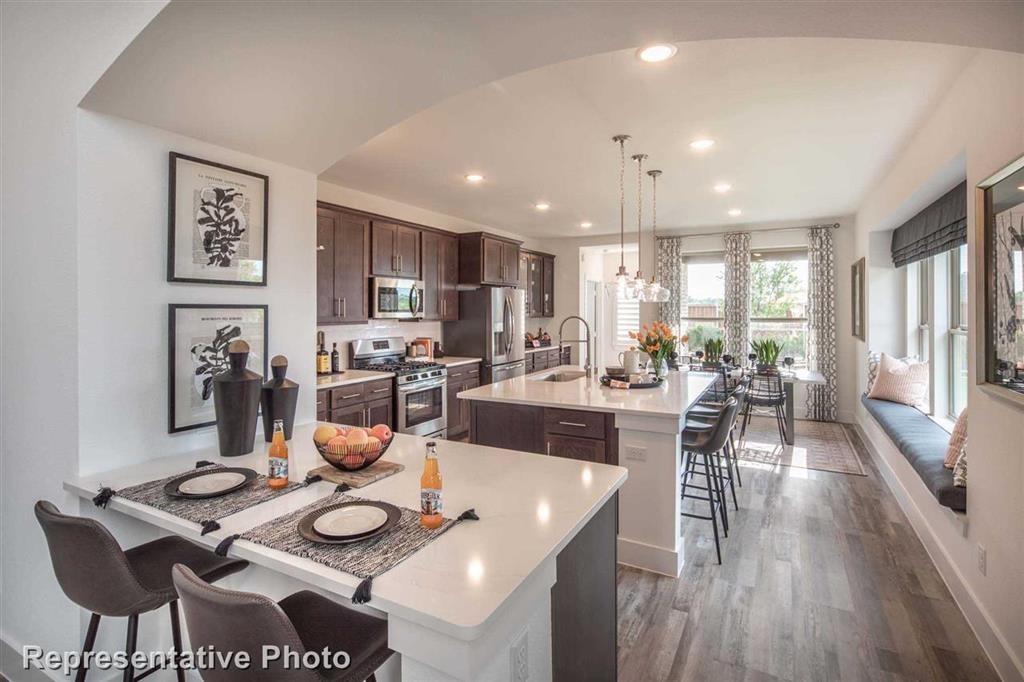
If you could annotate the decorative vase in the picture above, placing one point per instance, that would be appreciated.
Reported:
(236, 402)
(278, 399)
(659, 367)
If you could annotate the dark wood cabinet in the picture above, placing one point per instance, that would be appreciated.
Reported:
(586, 449)
(440, 265)
(488, 259)
(461, 378)
(380, 411)
(548, 288)
(536, 284)
(575, 434)
(547, 358)
(509, 426)
(341, 267)
(395, 250)
(539, 283)
(364, 404)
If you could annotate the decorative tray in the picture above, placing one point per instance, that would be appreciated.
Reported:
(607, 381)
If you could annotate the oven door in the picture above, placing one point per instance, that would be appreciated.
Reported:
(422, 408)
(397, 299)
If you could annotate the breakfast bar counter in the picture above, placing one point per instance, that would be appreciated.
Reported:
(458, 606)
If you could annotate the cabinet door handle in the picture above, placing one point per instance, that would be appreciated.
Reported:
(582, 426)
(381, 390)
(337, 307)
(321, 247)
(353, 395)
(548, 443)
(399, 263)
(344, 307)
(474, 371)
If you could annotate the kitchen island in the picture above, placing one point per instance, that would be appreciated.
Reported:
(533, 581)
(564, 413)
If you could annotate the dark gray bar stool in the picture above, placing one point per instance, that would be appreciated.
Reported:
(98, 575)
(242, 621)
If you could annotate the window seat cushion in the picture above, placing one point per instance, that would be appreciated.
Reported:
(923, 443)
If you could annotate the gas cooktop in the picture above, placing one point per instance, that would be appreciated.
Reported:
(400, 366)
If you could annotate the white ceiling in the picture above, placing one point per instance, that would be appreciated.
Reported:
(803, 129)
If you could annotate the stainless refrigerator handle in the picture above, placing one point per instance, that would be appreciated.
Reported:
(510, 315)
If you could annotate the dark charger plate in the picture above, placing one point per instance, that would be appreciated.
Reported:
(306, 523)
(171, 488)
(607, 380)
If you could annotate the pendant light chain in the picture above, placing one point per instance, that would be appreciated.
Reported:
(639, 158)
(621, 140)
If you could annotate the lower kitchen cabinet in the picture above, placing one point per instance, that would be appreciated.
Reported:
(366, 404)
(461, 378)
(586, 449)
(574, 434)
(547, 359)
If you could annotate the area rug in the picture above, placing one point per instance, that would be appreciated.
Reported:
(818, 445)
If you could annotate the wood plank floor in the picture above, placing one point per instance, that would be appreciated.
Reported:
(822, 579)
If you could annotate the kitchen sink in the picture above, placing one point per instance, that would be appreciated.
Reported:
(568, 375)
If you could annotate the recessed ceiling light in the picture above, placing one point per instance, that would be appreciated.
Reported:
(702, 144)
(757, 255)
(1021, 188)
(735, 212)
(542, 206)
(474, 178)
(658, 52)
(586, 224)
(723, 187)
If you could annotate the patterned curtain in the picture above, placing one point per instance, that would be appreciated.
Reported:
(737, 293)
(821, 323)
(671, 274)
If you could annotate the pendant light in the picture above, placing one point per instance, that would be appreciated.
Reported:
(622, 277)
(638, 285)
(656, 292)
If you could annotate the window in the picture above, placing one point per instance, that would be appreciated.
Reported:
(703, 314)
(627, 319)
(924, 307)
(778, 301)
(957, 291)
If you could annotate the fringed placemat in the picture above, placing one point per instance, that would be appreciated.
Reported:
(366, 560)
(203, 511)
(358, 479)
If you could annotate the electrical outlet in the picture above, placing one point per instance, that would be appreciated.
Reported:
(520, 656)
(982, 560)
(637, 452)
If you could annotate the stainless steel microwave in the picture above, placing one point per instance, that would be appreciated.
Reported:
(397, 299)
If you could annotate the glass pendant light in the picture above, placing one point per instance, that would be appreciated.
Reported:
(622, 279)
(656, 292)
(637, 287)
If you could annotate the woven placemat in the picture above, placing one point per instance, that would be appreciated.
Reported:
(206, 511)
(358, 479)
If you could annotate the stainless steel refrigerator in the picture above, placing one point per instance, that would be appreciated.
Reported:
(490, 326)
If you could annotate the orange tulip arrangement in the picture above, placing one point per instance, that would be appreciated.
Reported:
(657, 341)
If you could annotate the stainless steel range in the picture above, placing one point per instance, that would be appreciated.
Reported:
(420, 405)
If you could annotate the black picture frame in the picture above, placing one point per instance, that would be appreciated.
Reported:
(1000, 195)
(173, 355)
(175, 231)
(857, 287)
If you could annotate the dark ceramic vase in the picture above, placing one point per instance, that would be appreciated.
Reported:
(279, 398)
(236, 402)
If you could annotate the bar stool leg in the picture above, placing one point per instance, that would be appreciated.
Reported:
(129, 646)
(714, 519)
(90, 640)
(719, 487)
(176, 635)
(736, 458)
(731, 473)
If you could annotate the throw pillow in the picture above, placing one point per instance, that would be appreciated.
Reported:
(901, 382)
(960, 469)
(873, 359)
(957, 440)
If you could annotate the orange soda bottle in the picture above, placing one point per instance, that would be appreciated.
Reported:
(277, 474)
(430, 490)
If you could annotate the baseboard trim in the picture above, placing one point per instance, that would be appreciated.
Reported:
(995, 645)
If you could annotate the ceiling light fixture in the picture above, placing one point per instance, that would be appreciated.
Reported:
(658, 52)
(722, 187)
(586, 224)
(637, 287)
(542, 206)
(655, 292)
(622, 277)
(474, 178)
(735, 212)
(702, 145)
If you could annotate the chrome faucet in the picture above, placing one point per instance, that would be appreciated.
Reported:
(586, 366)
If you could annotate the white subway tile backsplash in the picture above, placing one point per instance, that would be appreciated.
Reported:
(374, 329)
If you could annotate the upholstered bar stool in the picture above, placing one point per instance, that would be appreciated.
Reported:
(241, 621)
(708, 412)
(98, 575)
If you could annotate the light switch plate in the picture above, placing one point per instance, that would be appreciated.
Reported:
(637, 452)
(520, 656)
(982, 560)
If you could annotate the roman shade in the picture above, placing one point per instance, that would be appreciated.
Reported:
(940, 227)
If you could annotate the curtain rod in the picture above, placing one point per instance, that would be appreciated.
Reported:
(834, 226)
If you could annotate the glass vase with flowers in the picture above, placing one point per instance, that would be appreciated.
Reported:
(658, 341)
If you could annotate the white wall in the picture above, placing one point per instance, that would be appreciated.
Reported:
(52, 54)
(978, 126)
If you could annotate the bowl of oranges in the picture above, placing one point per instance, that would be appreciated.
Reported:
(351, 448)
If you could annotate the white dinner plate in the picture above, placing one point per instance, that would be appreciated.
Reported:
(354, 519)
(213, 482)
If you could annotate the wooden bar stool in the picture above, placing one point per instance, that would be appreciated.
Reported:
(99, 576)
(242, 621)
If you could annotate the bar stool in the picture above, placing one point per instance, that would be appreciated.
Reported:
(708, 412)
(705, 441)
(99, 576)
(242, 621)
(766, 391)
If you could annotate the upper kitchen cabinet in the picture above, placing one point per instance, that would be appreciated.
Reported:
(488, 259)
(395, 250)
(548, 292)
(341, 267)
(440, 276)
(524, 277)
(539, 283)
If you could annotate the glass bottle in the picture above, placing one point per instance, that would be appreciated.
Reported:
(430, 490)
(277, 473)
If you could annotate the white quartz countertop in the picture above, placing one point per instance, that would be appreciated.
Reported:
(351, 376)
(673, 398)
(530, 507)
(553, 346)
(456, 361)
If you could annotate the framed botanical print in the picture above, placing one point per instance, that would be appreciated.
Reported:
(1000, 205)
(217, 223)
(198, 350)
(857, 298)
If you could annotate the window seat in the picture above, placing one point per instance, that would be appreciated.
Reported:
(923, 443)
